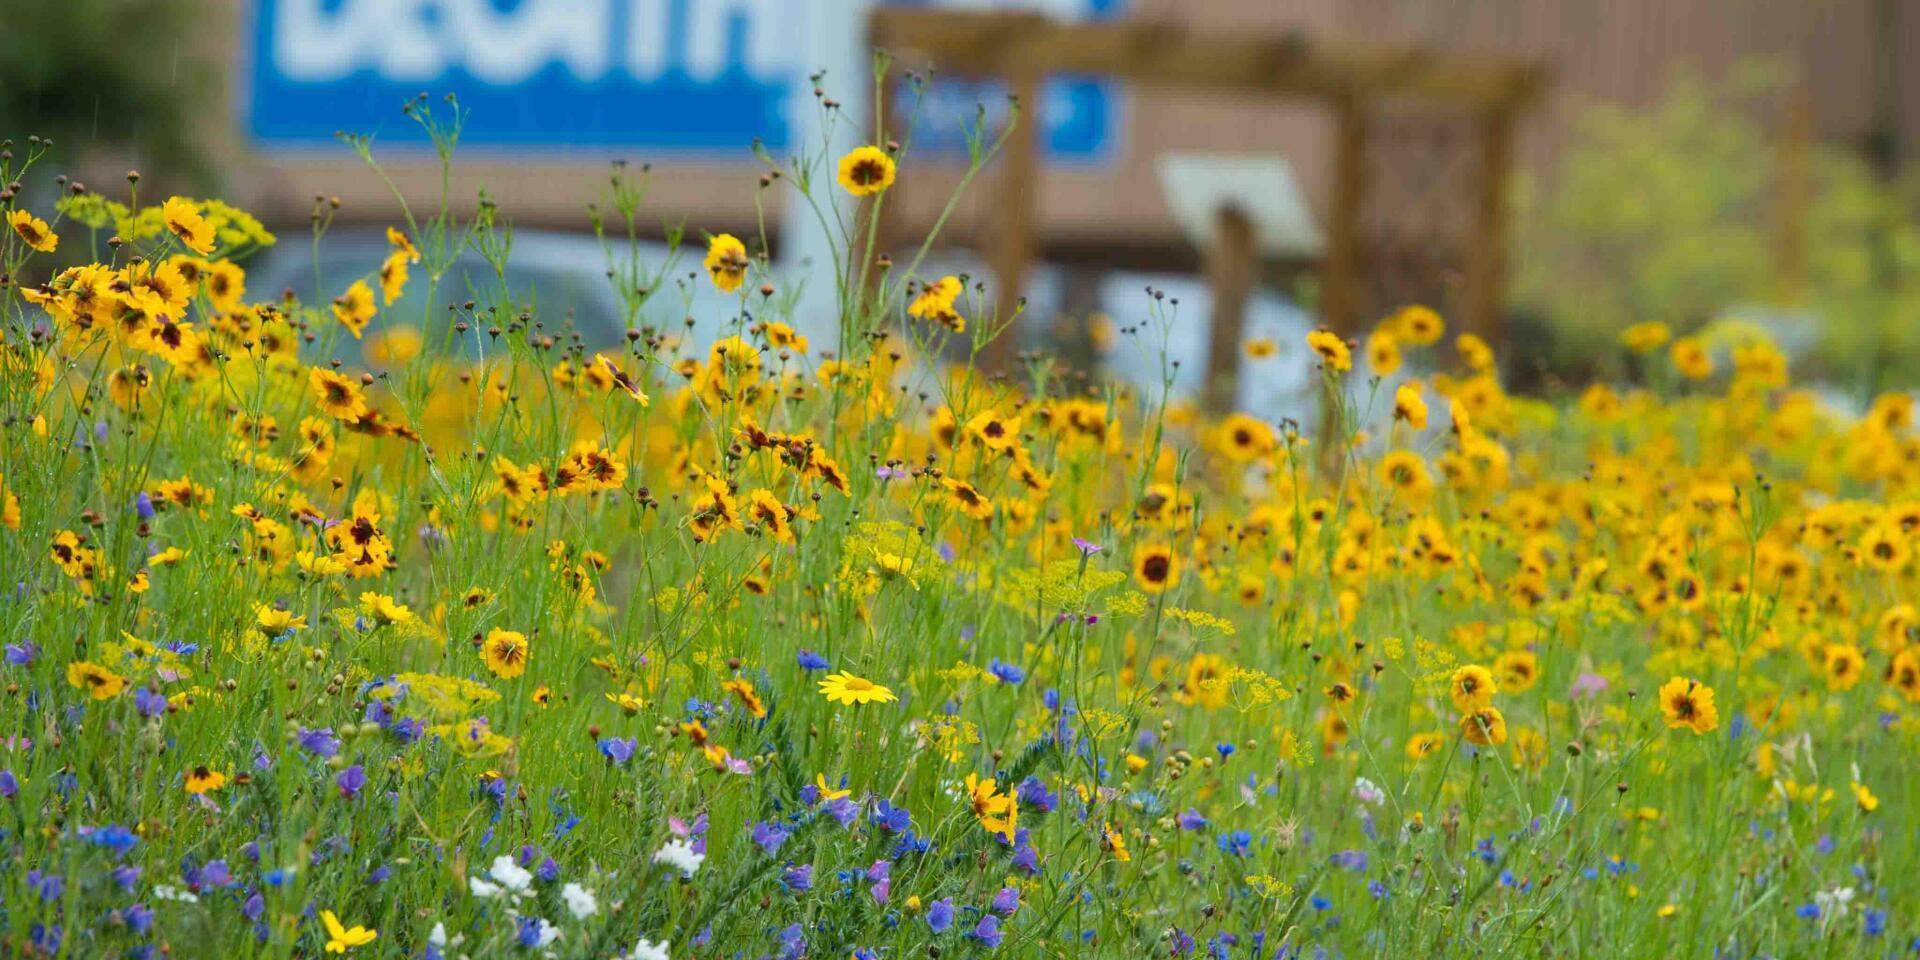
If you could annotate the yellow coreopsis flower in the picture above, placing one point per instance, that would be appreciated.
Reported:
(33, 230)
(184, 221)
(726, 262)
(865, 171)
(1688, 704)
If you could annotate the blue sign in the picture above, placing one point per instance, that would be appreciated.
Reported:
(687, 75)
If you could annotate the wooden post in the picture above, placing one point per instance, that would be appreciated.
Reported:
(1340, 271)
(1795, 196)
(1012, 232)
(1233, 264)
(1486, 260)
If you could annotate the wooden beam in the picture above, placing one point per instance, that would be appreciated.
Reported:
(1340, 270)
(1486, 255)
(1233, 266)
(1158, 53)
(1014, 196)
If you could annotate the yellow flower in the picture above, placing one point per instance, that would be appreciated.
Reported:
(33, 230)
(1260, 348)
(727, 262)
(1485, 727)
(936, 302)
(1689, 704)
(849, 689)
(1332, 350)
(1868, 802)
(1690, 357)
(204, 779)
(354, 308)
(1409, 407)
(749, 699)
(1155, 567)
(1518, 670)
(866, 170)
(99, 682)
(273, 621)
(505, 653)
(183, 220)
(996, 811)
(1417, 325)
(341, 939)
(1472, 688)
(1114, 842)
(383, 609)
(827, 792)
(338, 396)
(1383, 353)
(1645, 337)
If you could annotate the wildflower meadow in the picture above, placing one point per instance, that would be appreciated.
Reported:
(333, 629)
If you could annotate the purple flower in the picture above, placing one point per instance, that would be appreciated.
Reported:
(148, 703)
(351, 781)
(1087, 548)
(940, 914)
(22, 654)
(842, 810)
(48, 885)
(1005, 902)
(1354, 860)
(987, 931)
(1192, 820)
(143, 505)
(1034, 796)
(1006, 672)
(770, 836)
(812, 661)
(1588, 684)
(321, 743)
(798, 879)
(618, 749)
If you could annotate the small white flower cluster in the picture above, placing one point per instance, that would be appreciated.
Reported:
(1369, 794)
(507, 879)
(679, 855)
(580, 901)
(648, 950)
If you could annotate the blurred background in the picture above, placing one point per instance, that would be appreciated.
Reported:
(1542, 172)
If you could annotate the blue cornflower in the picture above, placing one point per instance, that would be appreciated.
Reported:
(618, 749)
(1006, 672)
(812, 661)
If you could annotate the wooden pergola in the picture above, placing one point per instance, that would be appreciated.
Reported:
(1020, 49)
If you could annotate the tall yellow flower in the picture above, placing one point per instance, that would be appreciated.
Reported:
(33, 230)
(1688, 704)
(183, 220)
(727, 262)
(505, 653)
(865, 171)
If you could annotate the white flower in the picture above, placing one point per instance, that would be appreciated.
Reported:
(164, 892)
(1833, 902)
(510, 875)
(1367, 793)
(439, 935)
(580, 901)
(679, 855)
(648, 950)
(483, 889)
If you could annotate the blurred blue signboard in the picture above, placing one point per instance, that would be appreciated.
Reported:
(686, 75)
